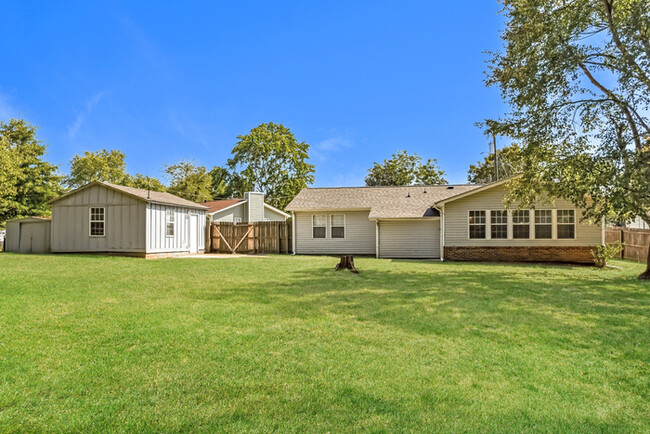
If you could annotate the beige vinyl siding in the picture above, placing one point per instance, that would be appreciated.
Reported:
(157, 239)
(456, 231)
(254, 206)
(359, 235)
(228, 215)
(124, 222)
(409, 239)
(273, 216)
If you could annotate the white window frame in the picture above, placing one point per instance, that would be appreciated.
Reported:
(487, 228)
(345, 227)
(545, 224)
(499, 224)
(575, 226)
(236, 220)
(512, 220)
(312, 227)
(91, 221)
(169, 212)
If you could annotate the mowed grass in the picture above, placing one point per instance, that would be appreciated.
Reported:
(90, 343)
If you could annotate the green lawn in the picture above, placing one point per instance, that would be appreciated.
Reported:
(286, 344)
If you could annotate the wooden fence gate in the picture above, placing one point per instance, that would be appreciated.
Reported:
(636, 242)
(249, 238)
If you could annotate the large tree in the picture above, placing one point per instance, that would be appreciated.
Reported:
(270, 159)
(145, 182)
(103, 165)
(221, 182)
(189, 181)
(576, 75)
(510, 162)
(405, 169)
(27, 182)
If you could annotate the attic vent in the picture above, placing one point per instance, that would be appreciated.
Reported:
(451, 187)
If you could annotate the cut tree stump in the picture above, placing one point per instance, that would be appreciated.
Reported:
(347, 261)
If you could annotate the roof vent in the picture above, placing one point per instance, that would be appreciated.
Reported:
(425, 191)
(451, 187)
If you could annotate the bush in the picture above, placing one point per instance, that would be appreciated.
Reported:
(602, 254)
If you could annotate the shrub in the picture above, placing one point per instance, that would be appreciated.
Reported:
(602, 254)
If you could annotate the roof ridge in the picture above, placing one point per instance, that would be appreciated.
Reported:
(399, 186)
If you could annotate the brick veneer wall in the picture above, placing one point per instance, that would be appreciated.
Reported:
(581, 254)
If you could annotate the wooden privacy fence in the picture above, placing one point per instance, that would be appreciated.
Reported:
(249, 238)
(636, 242)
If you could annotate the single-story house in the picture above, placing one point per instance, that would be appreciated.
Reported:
(446, 222)
(252, 208)
(106, 218)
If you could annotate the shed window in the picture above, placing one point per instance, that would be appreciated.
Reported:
(521, 224)
(319, 226)
(477, 224)
(170, 223)
(337, 224)
(543, 224)
(499, 224)
(97, 221)
(566, 224)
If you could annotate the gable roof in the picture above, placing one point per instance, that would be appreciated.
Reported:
(140, 194)
(478, 190)
(383, 202)
(218, 205)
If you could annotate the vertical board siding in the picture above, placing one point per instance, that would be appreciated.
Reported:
(156, 239)
(359, 235)
(457, 232)
(409, 239)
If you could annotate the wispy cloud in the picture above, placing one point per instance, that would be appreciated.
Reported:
(188, 129)
(7, 110)
(323, 149)
(75, 127)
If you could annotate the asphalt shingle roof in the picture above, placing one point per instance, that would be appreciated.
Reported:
(155, 196)
(217, 205)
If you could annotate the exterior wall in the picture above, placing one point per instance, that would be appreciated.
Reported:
(456, 230)
(156, 239)
(359, 235)
(254, 206)
(273, 216)
(12, 237)
(124, 226)
(574, 254)
(637, 223)
(409, 239)
(228, 215)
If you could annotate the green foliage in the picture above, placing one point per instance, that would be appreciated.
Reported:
(27, 182)
(189, 181)
(405, 169)
(510, 163)
(602, 254)
(145, 182)
(221, 187)
(270, 159)
(103, 165)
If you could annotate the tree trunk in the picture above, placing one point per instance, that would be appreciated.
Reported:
(347, 261)
(646, 274)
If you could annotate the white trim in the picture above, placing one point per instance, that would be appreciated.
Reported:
(476, 190)
(293, 231)
(345, 227)
(535, 222)
(442, 233)
(173, 214)
(513, 224)
(236, 220)
(91, 221)
(376, 238)
(575, 223)
(266, 205)
(312, 227)
(484, 224)
(500, 224)
(228, 207)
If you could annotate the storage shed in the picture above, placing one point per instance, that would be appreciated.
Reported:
(28, 235)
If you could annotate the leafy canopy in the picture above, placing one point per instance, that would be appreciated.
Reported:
(510, 163)
(27, 182)
(103, 165)
(189, 181)
(270, 159)
(405, 169)
(221, 178)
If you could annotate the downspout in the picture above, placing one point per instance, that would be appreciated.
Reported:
(602, 231)
(293, 232)
(442, 234)
(376, 238)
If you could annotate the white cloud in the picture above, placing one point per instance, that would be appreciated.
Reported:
(322, 149)
(73, 129)
(7, 110)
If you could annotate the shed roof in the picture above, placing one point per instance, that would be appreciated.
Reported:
(383, 202)
(141, 194)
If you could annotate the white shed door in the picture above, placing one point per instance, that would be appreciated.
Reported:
(409, 239)
(194, 233)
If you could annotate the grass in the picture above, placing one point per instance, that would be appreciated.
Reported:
(91, 343)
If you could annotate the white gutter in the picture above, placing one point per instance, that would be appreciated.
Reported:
(376, 238)
(293, 232)
(442, 234)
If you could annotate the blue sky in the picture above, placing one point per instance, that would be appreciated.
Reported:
(162, 81)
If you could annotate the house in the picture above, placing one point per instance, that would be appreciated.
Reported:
(252, 208)
(446, 222)
(637, 223)
(109, 218)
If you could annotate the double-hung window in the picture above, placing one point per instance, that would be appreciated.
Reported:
(97, 221)
(498, 224)
(337, 226)
(477, 224)
(521, 224)
(170, 224)
(566, 224)
(319, 226)
(543, 224)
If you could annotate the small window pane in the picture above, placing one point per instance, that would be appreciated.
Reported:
(319, 232)
(543, 216)
(338, 220)
(521, 231)
(499, 231)
(565, 216)
(566, 231)
(97, 228)
(477, 217)
(499, 217)
(543, 231)
(477, 231)
(320, 220)
(338, 232)
(520, 216)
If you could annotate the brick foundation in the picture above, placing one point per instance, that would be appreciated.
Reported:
(578, 255)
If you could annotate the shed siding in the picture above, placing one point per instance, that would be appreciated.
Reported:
(35, 237)
(457, 231)
(409, 239)
(359, 235)
(157, 240)
(12, 237)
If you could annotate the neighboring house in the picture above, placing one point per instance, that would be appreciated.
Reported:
(250, 209)
(637, 223)
(109, 218)
(456, 222)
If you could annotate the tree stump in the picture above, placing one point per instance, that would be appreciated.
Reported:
(347, 261)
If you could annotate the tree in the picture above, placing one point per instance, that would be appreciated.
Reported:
(189, 181)
(145, 182)
(104, 165)
(221, 187)
(270, 159)
(577, 78)
(510, 163)
(27, 182)
(405, 169)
